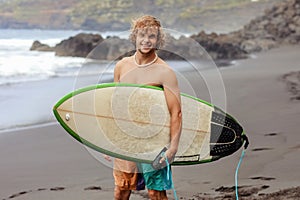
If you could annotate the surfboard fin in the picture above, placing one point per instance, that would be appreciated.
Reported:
(156, 162)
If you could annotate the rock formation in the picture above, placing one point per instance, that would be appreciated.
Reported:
(78, 46)
(38, 46)
(278, 25)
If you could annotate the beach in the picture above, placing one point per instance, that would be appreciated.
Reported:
(44, 162)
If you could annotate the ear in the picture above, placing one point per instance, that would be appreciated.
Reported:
(158, 44)
(132, 38)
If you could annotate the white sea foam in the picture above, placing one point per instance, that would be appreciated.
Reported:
(19, 64)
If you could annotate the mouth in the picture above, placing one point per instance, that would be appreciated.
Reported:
(146, 47)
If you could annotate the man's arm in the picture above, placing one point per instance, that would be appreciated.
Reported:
(117, 73)
(172, 95)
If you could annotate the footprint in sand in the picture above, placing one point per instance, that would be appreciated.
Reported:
(296, 147)
(244, 191)
(57, 189)
(41, 189)
(252, 190)
(93, 188)
(263, 178)
(227, 189)
(51, 189)
(271, 134)
(262, 149)
(19, 194)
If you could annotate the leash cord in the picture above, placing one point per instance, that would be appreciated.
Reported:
(236, 174)
(169, 177)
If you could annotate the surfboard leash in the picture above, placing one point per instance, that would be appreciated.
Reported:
(169, 176)
(246, 143)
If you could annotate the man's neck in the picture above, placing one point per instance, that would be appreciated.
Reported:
(144, 58)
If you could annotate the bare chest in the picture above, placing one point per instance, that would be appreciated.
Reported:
(148, 76)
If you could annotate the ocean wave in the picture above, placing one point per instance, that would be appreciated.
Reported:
(31, 81)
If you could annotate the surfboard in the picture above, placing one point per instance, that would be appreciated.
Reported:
(132, 122)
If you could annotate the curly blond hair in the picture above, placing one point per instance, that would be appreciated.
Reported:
(145, 22)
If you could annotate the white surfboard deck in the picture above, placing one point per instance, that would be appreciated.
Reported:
(132, 122)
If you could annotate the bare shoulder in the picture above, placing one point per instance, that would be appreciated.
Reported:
(165, 68)
(167, 74)
(120, 67)
(124, 61)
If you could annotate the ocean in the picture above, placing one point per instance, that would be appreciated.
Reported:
(18, 64)
(31, 82)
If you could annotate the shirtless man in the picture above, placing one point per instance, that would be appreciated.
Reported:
(145, 67)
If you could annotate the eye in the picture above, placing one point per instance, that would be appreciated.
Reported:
(152, 36)
(141, 34)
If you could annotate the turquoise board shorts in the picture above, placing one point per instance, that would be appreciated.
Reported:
(156, 179)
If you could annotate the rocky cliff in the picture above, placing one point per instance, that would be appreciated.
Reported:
(279, 24)
(107, 15)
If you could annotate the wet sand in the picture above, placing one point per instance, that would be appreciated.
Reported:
(44, 162)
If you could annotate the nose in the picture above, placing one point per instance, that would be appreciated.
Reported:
(146, 38)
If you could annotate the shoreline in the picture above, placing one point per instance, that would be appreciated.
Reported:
(27, 127)
(17, 93)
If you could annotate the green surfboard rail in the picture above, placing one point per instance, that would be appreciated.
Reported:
(106, 85)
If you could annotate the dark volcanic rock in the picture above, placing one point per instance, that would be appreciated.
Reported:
(93, 46)
(220, 46)
(111, 49)
(38, 46)
(78, 46)
(278, 25)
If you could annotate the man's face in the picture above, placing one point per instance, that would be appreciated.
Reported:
(146, 39)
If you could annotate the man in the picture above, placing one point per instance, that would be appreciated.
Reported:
(145, 67)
